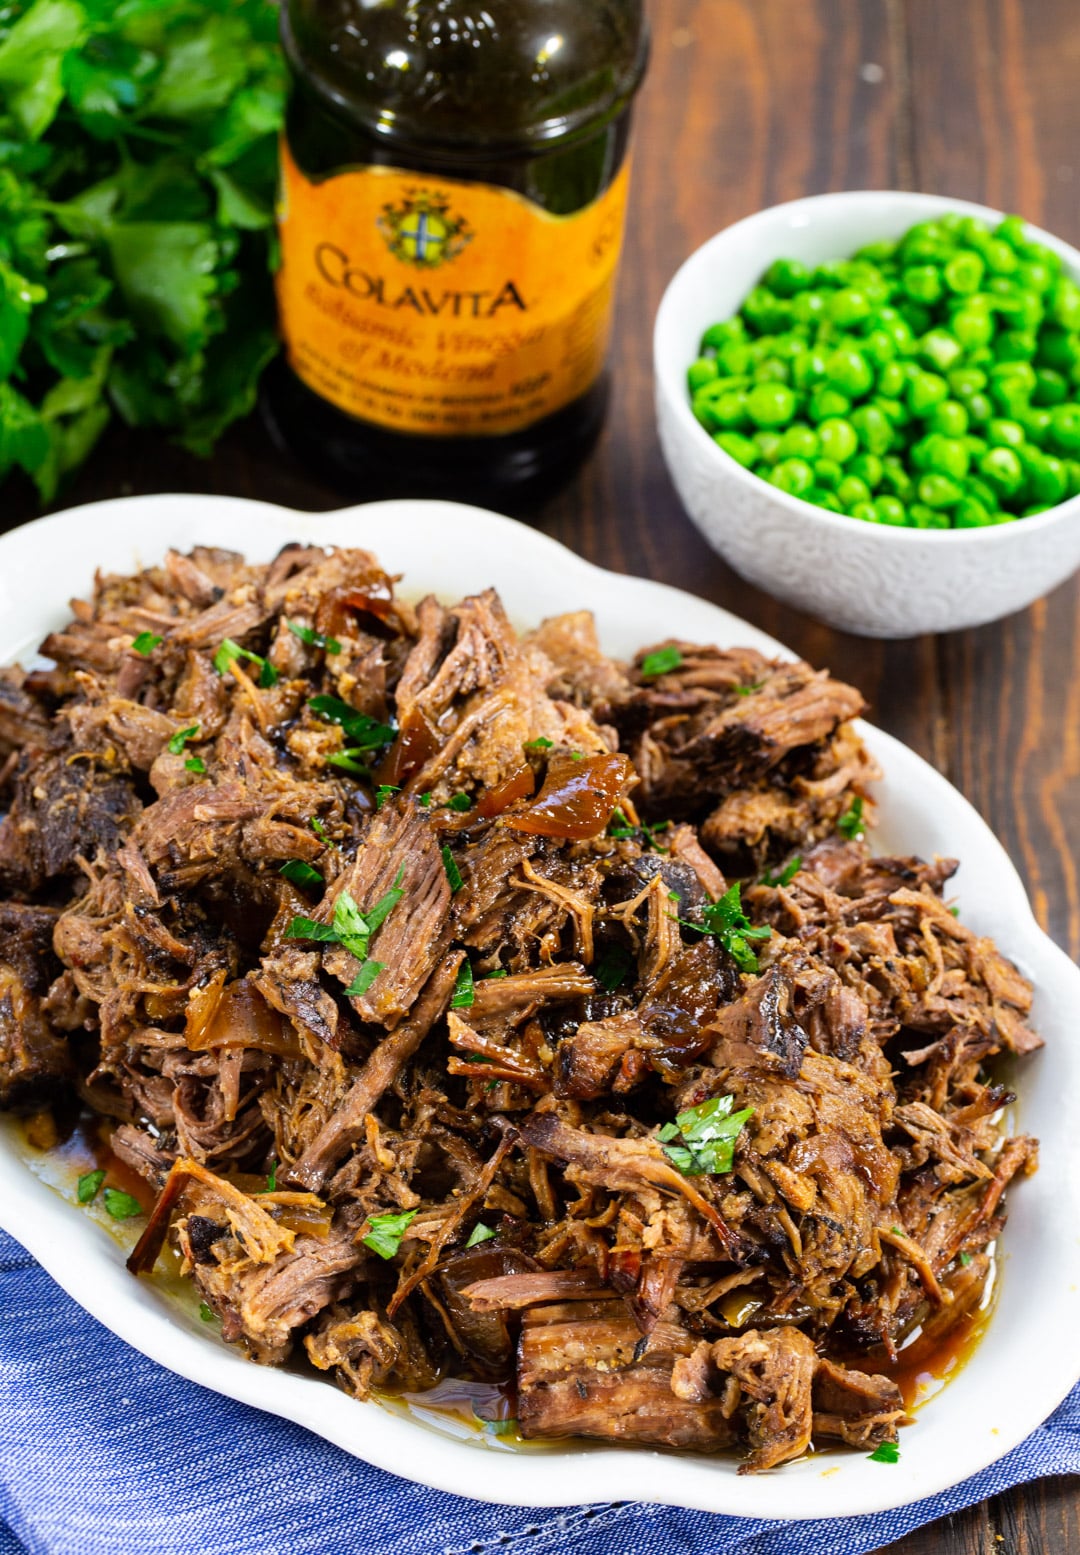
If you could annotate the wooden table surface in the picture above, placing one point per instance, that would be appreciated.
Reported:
(750, 102)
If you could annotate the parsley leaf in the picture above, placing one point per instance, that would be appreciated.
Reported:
(453, 873)
(271, 1177)
(314, 639)
(727, 922)
(363, 980)
(786, 875)
(385, 1232)
(460, 802)
(613, 967)
(480, 1233)
(885, 1452)
(302, 874)
(228, 654)
(180, 739)
(88, 1185)
(541, 743)
(965, 1260)
(145, 643)
(205, 1312)
(748, 691)
(850, 824)
(383, 792)
(706, 1135)
(352, 929)
(195, 764)
(660, 662)
(464, 987)
(362, 732)
(121, 1206)
(320, 831)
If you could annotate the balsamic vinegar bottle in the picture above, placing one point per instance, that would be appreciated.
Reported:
(453, 192)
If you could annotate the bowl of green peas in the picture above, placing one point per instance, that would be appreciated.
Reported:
(870, 404)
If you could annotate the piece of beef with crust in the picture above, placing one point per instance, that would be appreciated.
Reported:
(35, 1062)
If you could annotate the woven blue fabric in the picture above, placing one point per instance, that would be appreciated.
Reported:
(104, 1453)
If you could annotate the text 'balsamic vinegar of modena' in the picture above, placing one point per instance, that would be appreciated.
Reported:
(453, 192)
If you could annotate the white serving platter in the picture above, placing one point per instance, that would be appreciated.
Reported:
(1000, 1396)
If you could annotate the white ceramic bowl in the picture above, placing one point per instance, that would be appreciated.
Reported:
(866, 578)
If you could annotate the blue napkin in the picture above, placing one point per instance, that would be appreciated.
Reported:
(104, 1453)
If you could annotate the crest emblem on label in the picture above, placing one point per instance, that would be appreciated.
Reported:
(422, 230)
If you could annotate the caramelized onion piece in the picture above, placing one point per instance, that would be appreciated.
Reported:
(375, 597)
(237, 1015)
(578, 798)
(519, 785)
(415, 745)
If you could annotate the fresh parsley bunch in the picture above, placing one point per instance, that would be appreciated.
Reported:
(137, 175)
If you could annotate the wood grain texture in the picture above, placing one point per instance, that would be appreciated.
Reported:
(750, 102)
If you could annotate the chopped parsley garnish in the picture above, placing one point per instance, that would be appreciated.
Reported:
(385, 1232)
(145, 644)
(786, 875)
(227, 655)
(320, 831)
(302, 874)
(383, 792)
(500, 971)
(955, 910)
(613, 967)
(498, 1427)
(660, 662)
(347, 761)
(314, 639)
(88, 1185)
(460, 802)
(363, 733)
(706, 1135)
(195, 764)
(464, 987)
(205, 1312)
(727, 922)
(576, 756)
(364, 979)
(121, 1206)
(748, 691)
(271, 1177)
(620, 827)
(886, 1452)
(453, 873)
(541, 743)
(965, 1260)
(480, 1233)
(850, 824)
(180, 739)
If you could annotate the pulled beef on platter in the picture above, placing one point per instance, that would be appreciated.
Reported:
(478, 1006)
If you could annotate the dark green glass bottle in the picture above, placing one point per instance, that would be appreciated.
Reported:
(453, 189)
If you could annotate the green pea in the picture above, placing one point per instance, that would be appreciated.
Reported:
(973, 327)
(1047, 479)
(1034, 510)
(765, 313)
(918, 317)
(895, 478)
(1036, 276)
(1051, 387)
(939, 491)
(949, 418)
(922, 283)
(768, 446)
(868, 468)
(1065, 303)
(980, 407)
(966, 381)
(963, 273)
(866, 511)
(701, 372)
(981, 492)
(808, 368)
(718, 335)
(770, 404)
(925, 517)
(838, 439)
(1073, 468)
(976, 446)
(736, 357)
(740, 448)
(785, 277)
(1015, 345)
(945, 456)
(895, 410)
(849, 372)
(940, 350)
(828, 500)
(890, 510)
(891, 381)
(828, 473)
(702, 406)
(1036, 424)
(926, 243)
(849, 306)
(851, 490)
(971, 514)
(799, 442)
(729, 408)
(793, 476)
(1065, 429)
(1005, 434)
(925, 392)
(808, 308)
(827, 402)
(1011, 230)
(1002, 470)
(1001, 258)
(1058, 348)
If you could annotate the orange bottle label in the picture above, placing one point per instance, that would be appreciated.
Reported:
(440, 307)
